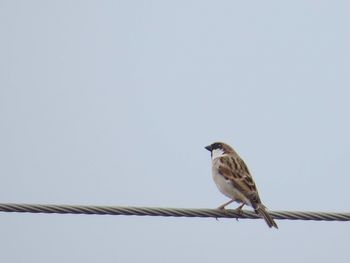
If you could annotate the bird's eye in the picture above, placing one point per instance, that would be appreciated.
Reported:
(217, 145)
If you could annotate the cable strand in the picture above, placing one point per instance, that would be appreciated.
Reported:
(168, 212)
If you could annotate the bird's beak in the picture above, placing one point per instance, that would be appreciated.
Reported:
(208, 148)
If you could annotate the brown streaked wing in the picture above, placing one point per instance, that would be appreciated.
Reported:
(237, 171)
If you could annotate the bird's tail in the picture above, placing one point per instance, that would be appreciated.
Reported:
(262, 211)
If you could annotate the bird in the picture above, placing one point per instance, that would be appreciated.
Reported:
(232, 177)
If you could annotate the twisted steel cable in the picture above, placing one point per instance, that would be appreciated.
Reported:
(168, 212)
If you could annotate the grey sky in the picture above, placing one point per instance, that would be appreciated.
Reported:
(112, 102)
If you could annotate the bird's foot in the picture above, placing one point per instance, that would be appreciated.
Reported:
(222, 209)
(239, 211)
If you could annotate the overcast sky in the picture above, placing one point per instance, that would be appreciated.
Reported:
(112, 103)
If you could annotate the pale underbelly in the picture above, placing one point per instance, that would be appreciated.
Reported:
(226, 187)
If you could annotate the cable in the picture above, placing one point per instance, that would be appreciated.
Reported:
(167, 212)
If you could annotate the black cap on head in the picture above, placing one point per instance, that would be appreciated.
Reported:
(213, 146)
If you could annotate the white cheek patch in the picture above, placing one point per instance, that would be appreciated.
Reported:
(217, 153)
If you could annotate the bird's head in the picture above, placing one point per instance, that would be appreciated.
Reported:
(218, 149)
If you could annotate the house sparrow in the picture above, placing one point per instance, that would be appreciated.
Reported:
(232, 177)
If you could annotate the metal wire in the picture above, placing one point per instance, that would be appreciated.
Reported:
(168, 212)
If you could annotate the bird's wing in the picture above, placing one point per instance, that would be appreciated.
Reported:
(235, 170)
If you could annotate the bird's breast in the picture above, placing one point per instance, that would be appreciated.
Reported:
(226, 187)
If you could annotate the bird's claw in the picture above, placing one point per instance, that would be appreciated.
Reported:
(239, 211)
